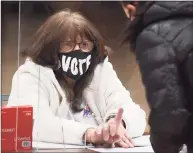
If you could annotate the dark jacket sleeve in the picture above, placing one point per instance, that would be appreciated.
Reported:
(164, 90)
(188, 67)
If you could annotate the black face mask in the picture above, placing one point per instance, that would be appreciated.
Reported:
(74, 64)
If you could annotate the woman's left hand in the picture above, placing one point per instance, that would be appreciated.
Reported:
(125, 141)
(113, 132)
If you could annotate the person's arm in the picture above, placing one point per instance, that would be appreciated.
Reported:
(117, 97)
(164, 89)
(188, 68)
(47, 126)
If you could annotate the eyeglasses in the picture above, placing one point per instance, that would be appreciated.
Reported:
(85, 46)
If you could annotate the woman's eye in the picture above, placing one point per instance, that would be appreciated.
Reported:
(68, 44)
(85, 44)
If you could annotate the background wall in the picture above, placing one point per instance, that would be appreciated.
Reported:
(108, 18)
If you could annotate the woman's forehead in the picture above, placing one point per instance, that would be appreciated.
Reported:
(76, 32)
(77, 38)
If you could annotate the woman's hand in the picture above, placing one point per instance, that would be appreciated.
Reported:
(125, 141)
(112, 132)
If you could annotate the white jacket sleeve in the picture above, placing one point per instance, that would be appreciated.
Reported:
(117, 96)
(47, 126)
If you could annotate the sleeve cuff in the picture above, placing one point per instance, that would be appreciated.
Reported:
(73, 134)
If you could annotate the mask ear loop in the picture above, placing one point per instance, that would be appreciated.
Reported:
(18, 57)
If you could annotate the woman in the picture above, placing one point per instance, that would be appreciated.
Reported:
(160, 34)
(74, 91)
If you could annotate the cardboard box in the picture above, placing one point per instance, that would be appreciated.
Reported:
(16, 128)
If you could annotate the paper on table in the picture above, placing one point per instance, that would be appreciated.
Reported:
(45, 145)
(148, 149)
(142, 141)
(142, 145)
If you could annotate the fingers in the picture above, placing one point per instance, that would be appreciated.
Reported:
(122, 144)
(119, 115)
(111, 140)
(106, 132)
(129, 139)
(115, 124)
(118, 118)
(103, 134)
(125, 141)
(98, 135)
(113, 130)
(99, 130)
(90, 135)
(116, 138)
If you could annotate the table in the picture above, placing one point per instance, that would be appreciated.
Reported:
(65, 150)
(57, 151)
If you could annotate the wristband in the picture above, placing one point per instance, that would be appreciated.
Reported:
(113, 116)
(110, 117)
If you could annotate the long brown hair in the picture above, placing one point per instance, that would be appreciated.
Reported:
(46, 43)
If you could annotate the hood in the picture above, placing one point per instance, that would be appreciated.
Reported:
(163, 10)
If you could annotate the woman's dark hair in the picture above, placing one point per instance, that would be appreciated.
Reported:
(136, 26)
(46, 44)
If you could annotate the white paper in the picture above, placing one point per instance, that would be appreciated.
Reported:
(142, 145)
(45, 145)
(142, 141)
(139, 142)
(147, 149)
